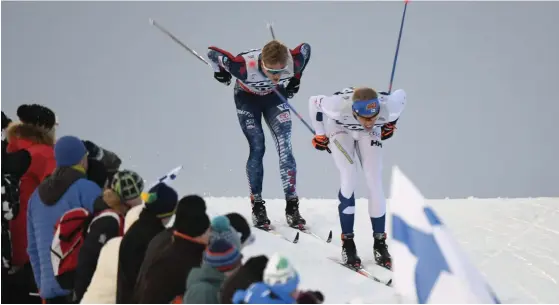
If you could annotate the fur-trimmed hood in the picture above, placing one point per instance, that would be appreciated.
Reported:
(32, 133)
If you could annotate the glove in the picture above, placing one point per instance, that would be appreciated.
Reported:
(5, 120)
(320, 142)
(387, 130)
(92, 149)
(223, 77)
(292, 87)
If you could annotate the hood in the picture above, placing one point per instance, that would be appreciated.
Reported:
(29, 133)
(205, 274)
(53, 187)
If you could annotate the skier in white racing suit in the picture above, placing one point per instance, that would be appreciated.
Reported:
(353, 123)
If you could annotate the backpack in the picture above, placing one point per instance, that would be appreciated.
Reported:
(70, 233)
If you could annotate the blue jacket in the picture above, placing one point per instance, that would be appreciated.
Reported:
(260, 293)
(65, 189)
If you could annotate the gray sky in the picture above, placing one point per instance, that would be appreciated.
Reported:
(479, 78)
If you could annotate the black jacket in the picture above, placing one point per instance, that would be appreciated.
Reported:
(162, 278)
(251, 272)
(101, 230)
(131, 253)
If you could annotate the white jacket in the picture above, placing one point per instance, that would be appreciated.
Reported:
(102, 289)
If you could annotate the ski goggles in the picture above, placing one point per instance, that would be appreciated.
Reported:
(367, 108)
(275, 71)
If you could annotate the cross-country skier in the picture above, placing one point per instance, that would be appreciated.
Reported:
(257, 72)
(353, 123)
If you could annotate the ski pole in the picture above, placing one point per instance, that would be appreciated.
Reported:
(175, 39)
(397, 47)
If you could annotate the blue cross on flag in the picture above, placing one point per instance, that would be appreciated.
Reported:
(428, 264)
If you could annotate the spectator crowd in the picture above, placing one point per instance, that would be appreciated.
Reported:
(77, 228)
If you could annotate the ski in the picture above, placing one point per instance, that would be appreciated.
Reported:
(270, 229)
(307, 230)
(362, 271)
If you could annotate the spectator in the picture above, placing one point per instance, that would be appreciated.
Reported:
(124, 194)
(278, 287)
(103, 164)
(249, 273)
(221, 258)
(163, 275)
(31, 141)
(102, 289)
(65, 189)
(160, 206)
(220, 228)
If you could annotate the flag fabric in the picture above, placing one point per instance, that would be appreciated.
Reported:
(429, 266)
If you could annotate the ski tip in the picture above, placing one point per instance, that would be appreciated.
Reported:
(329, 237)
(296, 240)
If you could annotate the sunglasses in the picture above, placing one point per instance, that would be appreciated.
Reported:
(275, 71)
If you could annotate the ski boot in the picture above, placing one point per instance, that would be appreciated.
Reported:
(259, 215)
(292, 215)
(349, 251)
(382, 257)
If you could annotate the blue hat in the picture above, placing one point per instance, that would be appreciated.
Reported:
(69, 151)
(221, 229)
(367, 108)
(162, 200)
(222, 255)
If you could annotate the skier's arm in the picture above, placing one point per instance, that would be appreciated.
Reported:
(395, 105)
(317, 116)
(223, 61)
(301, 56)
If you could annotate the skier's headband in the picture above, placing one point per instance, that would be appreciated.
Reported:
(366, 108)
(275, 71)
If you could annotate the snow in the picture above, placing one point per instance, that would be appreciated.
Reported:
(514, 243)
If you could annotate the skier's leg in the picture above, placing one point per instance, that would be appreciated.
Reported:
(370, 154)
(250, 119)
(342, 145)
(278, 118)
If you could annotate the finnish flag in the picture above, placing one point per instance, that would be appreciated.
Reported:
(428, 264)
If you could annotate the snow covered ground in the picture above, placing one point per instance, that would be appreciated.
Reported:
(514, 243)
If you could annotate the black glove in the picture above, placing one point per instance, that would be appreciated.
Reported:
(292, 87)
(387, 130)
(5, 120)
(223, 77)
(93, 150)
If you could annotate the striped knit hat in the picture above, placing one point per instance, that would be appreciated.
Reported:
(127, 184)
(221, 229)
(222, 255)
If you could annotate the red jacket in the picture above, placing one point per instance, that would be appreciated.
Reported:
(42, 164)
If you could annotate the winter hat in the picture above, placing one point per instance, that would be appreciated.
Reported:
(69, 151)
(280, 275)
(162, 200)
(37, 115)
(222, 255)
(127, 184)
(240, 224)
(191, 218)
(221, 229)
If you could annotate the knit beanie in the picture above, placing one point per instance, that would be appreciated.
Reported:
(191, 218)
(37, 115)
(221, 229)
(222, 255)
(127, 184)
(240, 224)
(162, 200)
(280, 275)
(69, 151)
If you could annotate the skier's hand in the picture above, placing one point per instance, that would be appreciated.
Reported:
(387, 130)
(321, 142)
(292, 87)
(223, 77)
